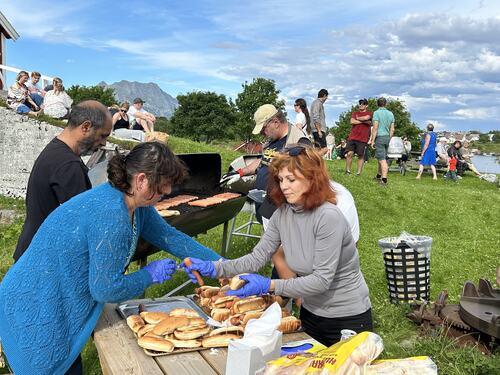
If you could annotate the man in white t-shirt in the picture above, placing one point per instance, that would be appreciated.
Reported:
(139, 118)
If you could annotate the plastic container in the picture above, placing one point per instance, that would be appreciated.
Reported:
(347, 334)
(407, 261)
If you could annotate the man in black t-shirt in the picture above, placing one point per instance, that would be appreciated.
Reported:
(59, 173)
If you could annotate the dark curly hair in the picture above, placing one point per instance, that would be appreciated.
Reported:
(154, 159)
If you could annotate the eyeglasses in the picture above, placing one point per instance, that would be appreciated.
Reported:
(296, 105)
(269, 122)
(295, 150)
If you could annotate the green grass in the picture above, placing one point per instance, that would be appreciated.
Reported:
(461, 218)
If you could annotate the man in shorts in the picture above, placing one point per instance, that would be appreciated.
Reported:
(361, 122)
(318, 122)
(382, 132)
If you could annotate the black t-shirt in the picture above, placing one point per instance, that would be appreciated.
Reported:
(57, 175)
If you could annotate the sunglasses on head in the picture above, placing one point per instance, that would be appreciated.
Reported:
(295, 150)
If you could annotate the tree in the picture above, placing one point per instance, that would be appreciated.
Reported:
(260, 91)
(402, 120)
(203, 116)
(80, 93)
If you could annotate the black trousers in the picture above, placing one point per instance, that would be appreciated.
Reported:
(76, 368)
(327, 330)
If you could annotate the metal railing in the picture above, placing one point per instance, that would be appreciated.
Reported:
(45, 79)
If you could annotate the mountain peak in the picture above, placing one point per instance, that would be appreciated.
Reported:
(157, 101)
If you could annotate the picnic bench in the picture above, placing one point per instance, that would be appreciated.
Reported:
(119, 353)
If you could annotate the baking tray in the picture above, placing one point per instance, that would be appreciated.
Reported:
(166, 305)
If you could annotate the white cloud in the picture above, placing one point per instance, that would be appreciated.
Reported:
(476, 113)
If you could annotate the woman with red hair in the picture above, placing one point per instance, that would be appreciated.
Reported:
(318, 247)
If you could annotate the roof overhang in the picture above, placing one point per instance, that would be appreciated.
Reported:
(7, 29)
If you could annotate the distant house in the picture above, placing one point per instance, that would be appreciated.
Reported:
(473, 137)
(7, 31)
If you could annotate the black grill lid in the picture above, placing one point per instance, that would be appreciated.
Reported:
(204, 172)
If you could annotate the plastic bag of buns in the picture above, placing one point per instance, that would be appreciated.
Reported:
(414, 366)
(349, 357)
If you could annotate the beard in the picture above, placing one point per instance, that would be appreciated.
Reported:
(87, 146)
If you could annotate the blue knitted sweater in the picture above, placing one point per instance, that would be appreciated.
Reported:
(51, 299)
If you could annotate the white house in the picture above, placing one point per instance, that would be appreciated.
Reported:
(7, 31)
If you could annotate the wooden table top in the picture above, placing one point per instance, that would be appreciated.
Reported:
(120, 354)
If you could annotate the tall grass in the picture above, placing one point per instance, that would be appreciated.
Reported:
(462, 218)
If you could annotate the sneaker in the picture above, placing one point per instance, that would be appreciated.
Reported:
(459, 177)
(382, 183)
(348, 172)
(377, 178)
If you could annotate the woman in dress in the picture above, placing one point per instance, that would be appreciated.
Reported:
(318, 247)
(18, 96)
(51, 299)
(57, 102)
(428, 155)
(302, 118)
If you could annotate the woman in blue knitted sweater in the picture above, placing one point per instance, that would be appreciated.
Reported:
(51, 299)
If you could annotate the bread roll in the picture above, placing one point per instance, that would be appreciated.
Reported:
(170, 324)
(220, 301)
(231, 329)
(135, 322)
(147, 328)
(220, 314)
(235, 319)
(249, 304)
(156, 344)
(190, 313)
(251, 315)
(191, 334)
(236, 283)
(153, 317)
(218, 341)
(185, 343)
(289, 324)
(209, 291)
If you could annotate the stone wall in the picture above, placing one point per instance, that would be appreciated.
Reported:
(21, 140)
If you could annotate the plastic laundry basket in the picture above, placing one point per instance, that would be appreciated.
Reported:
(407, 261)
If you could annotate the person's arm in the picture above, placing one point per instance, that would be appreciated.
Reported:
(260, 255)
(373, 135)
(108, 243)
(115, 118)
(68, 180)
(315, 116)
(391, 130)
(251, 168)
(281, 266)
(426, 144)
(156, 231)
(329, 238)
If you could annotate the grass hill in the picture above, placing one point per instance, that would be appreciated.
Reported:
(461, 218)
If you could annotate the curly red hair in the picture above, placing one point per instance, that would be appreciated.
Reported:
(311, 165)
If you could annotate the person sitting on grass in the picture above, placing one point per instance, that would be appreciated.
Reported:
(57, 102)
(36, 92)
(19, 98)
(139, 118)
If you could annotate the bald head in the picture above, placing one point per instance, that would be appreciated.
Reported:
(89, 110)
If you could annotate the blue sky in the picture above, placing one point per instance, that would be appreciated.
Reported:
(441, 57)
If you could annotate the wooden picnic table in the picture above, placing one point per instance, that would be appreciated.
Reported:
(120, 354)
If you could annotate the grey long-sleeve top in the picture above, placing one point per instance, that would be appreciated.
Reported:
(319, 248)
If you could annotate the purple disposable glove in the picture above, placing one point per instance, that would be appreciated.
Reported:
(204, 267)
(256, 285)
(161, 270)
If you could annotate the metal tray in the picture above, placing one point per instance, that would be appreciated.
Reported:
(131, 307)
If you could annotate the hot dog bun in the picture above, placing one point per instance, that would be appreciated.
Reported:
(156, 344)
